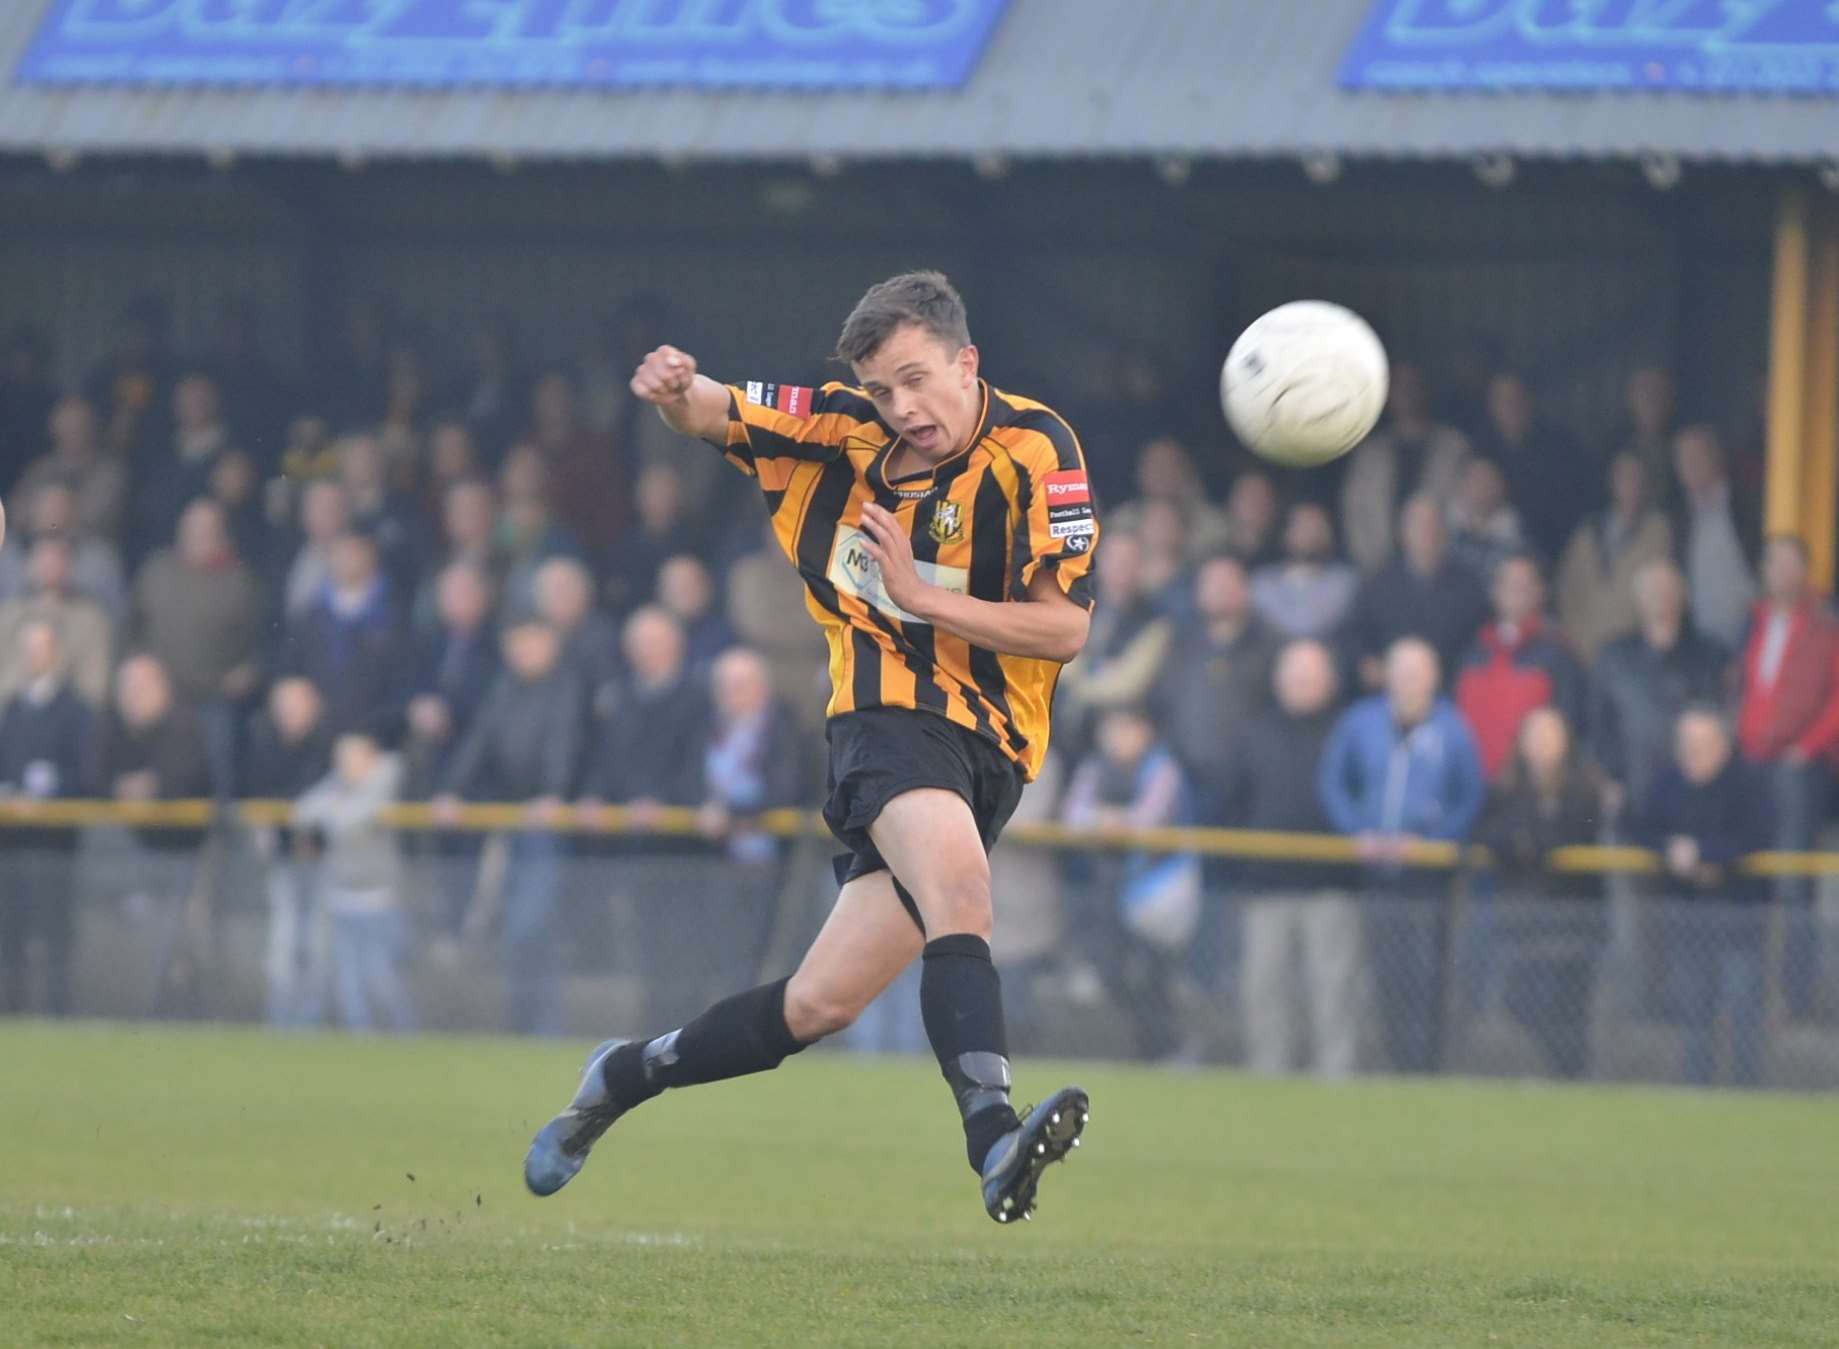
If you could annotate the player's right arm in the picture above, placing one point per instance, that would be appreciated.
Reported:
(764, 429)
(691, 404)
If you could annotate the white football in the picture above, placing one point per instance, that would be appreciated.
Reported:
(1305, 383)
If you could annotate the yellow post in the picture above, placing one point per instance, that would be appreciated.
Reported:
(1820, 383)
(1788, 333)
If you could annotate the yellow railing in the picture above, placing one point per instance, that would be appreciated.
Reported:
(678, 821)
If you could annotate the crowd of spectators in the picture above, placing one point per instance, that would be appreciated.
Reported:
(396, 576)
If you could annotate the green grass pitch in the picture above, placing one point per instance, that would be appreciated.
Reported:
(172, 1186)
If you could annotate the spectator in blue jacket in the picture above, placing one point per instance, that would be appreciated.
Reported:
(1402, 767)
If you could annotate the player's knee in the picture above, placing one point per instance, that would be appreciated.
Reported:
(959, 903)
(812, 1011)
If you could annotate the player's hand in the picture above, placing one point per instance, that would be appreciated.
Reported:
(665, 377)
(892, 550)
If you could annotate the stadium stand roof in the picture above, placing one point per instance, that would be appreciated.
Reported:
(1061, 77)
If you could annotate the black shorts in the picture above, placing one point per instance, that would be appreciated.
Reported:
(881, 752)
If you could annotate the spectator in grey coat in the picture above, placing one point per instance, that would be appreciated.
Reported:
(359, 882)
(1310, 592)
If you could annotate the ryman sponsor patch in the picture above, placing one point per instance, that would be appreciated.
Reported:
(795, 400)
(1067, 487)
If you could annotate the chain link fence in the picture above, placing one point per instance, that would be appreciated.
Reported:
(620, 925)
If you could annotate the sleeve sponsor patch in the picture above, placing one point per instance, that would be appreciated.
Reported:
(1067, 487)
(1057, 515)
(1073, 529)
(795, 400)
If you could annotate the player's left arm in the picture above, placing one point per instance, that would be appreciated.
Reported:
(1047, 625)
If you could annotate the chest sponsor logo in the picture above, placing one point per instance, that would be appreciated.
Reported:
(1068, 487)
(854, 571)
(947, 523)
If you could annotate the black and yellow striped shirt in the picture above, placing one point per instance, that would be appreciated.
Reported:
(982, 522)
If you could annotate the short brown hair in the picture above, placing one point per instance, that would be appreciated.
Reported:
(926, 299)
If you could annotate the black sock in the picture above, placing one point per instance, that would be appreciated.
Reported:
(744, 1034)
(962, 1003)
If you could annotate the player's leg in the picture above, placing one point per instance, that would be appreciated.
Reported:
(931, 840)
(866, 942)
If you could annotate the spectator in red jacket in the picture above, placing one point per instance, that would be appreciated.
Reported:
(1789, 725)
(1519, 662)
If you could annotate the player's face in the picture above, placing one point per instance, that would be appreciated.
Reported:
(924, 390)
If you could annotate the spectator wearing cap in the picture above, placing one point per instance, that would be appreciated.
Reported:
(1296, 913)
(1645, 680)
(1705, 815)
(347, 642)
(1411, 453)
(1596, 575)
(1401, 767)
(85, 636)
(44, 756)
(1517, 663)
(1423, 592)
(1788, 728)
(1310, 592)
(1715, 535)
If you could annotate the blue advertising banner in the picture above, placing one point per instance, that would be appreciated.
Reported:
(1708, 46)
(780, 44)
